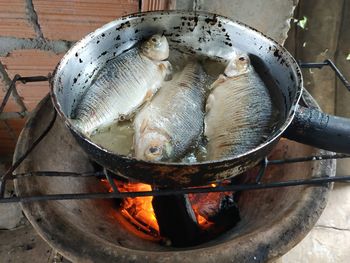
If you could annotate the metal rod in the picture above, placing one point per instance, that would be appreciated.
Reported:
(99, 174)
(330, 63)
(34, 78)
(17, 99)
(228, 188)
(8, 92)
(12, 88)
(111, 181)
(309, 158)
(13, 115)
(318, 65)
(9, 172)
(262, 170)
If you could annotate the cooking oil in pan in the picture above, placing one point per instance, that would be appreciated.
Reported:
(118, 138)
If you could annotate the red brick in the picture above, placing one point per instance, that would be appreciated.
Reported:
(31, 63)
(7, 147)
(14, 20)
(16, 125)
(72, 20)
(7, 143)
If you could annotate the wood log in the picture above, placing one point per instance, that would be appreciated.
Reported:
(176, 219)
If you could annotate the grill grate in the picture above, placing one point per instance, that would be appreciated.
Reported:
(257, 185)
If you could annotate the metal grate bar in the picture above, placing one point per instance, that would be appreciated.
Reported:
(111, 181)
(8, 93)
(229, 188)
(262, 170)
(309, 158)
(329, 63)
(99, 174)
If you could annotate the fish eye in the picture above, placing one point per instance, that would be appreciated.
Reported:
(153, 150)
(241, 59)
(153, 40)
(153, 153)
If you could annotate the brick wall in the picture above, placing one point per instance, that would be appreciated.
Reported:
(34, 35)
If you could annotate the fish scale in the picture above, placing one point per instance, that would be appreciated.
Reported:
(239, 115)
(176, 112)
(118, 90)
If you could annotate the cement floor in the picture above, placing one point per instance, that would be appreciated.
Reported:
(329, 240)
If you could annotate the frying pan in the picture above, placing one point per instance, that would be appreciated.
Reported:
(204, 34)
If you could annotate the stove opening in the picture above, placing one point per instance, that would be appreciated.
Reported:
(179, 220)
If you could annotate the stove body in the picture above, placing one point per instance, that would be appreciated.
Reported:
(272, 220)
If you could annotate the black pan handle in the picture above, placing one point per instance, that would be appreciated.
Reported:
(320, 130)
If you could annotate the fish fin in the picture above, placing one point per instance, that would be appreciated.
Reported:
(221, 79)
(210, 102)
(143, 125)
(148, 96)
(167, 68)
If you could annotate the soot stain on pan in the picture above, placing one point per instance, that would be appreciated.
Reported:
(291, 77)
(212, 21)
(102, 54)
(175, 41)
(93, 72)
(277, 54)
(123, 25)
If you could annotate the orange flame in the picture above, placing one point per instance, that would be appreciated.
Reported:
(202, 221)
(139, 210)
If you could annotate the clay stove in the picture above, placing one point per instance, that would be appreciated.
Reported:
(94, 230)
